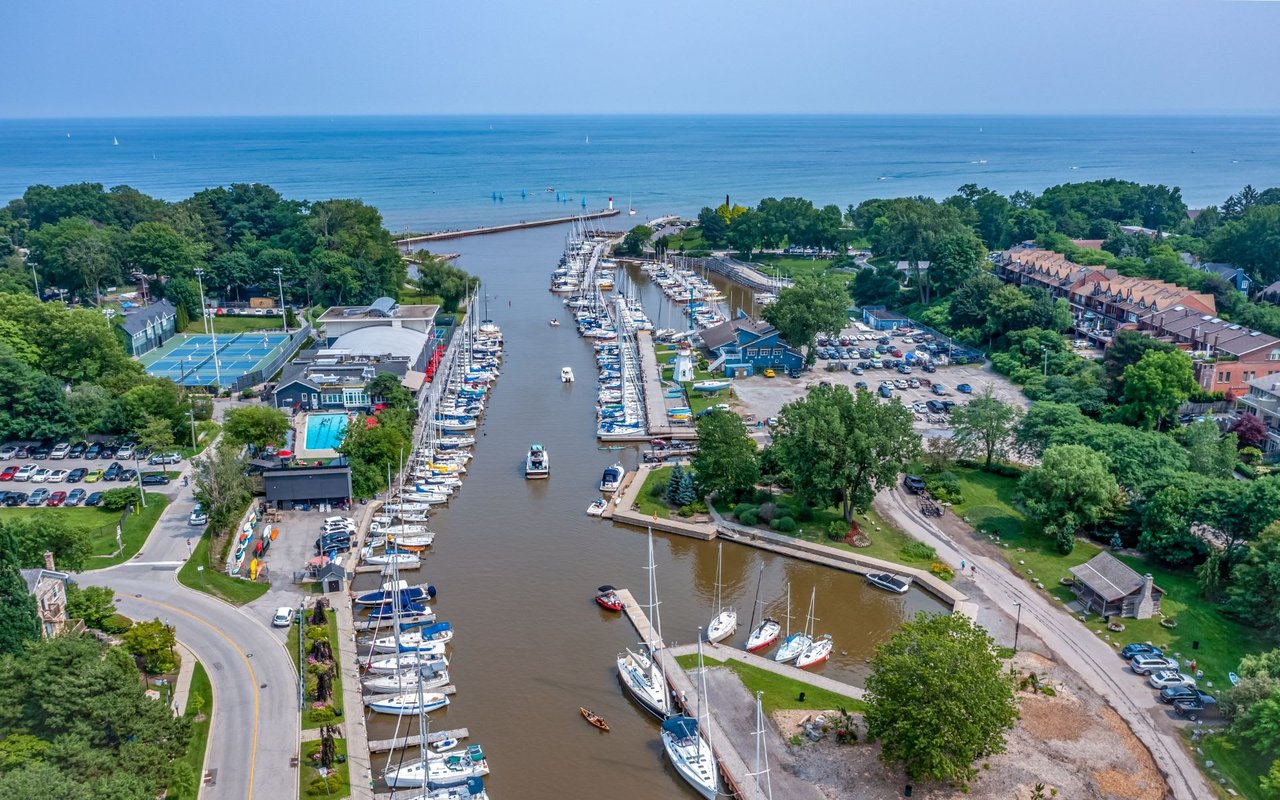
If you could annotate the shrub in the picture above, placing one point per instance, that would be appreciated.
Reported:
(325, 785)
(751, 517)
(686, 511)
(1250, 455)
(945, 487)
(117, 499)
(942, 570)
(658, 490)
(761, 497)
(248, 394)
(318, 633)
(323, 716)
(837, 530)
(698, 506)
(768, 511)
(116, 624)
(783, 524)
(918, 551)
(804, 513)
(742, 508)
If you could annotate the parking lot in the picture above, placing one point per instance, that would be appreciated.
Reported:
(290, 552)
(765, 397)
(26, 467)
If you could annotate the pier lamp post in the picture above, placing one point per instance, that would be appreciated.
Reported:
(191, 415)
(1017, 626)
(280, 282)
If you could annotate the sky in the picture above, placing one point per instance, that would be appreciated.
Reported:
(130, 58)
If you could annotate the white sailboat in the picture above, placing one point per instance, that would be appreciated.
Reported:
(762, 753)
(406, 661)
(642, 678)
(409, 703)
(766, 633)
(427, 677)
(795, 643)
(725, 621)
(688, 749)
(430, 639)
(473, 789)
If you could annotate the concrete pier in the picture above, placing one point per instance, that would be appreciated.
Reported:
(620, 510)
(655, 401)
(513, 226)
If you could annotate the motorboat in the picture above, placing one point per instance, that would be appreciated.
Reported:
(611, 481)
(889, 582)
(566, 374)
(406, 661)
(711, 385)
(440, 770)
(408, 703)
(537, 464)
(607, 597)
(819, 650)
(473, 789)
(725, 622)
(688, 749)
(555, 323)
(390, 592)
(407, 681)
(597, 507)
(423, 640)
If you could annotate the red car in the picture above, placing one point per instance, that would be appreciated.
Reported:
(56, 499)
(8, 473)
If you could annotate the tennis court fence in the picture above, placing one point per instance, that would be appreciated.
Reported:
(264, 372)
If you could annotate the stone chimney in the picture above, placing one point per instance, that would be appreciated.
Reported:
(1146, 601)
(48, 560)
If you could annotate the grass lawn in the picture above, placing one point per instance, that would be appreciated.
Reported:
(792, 266)
(780, 692)
(990, 503)
(239, 324)
(206, 431)
(690, 239)
(1241, 765)
(646, 503)
(236, 591)
(411, 296)
(311, 786)
(307, 722)
(103, 523)
(194, 757)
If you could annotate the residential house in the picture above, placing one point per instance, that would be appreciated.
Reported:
(882, 319)
(49, 586)
(743, 346)
(1107, 586)
(1226, 355)
(1116, 302)
(1032, 266)
(1263, 401)
(146, 328)
(1270, 294)
(1228, 272)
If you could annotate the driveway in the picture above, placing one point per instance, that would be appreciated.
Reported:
(1100, 666)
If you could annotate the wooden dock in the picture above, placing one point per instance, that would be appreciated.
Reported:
(620, 510)
(639, 619)
(655, 400)
(513, 226)
(383, 745)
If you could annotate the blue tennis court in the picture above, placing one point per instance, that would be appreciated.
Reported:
(189, 359)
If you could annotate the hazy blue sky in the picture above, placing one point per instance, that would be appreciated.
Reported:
(251, 57)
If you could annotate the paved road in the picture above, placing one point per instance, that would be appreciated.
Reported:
(255, 731)
(1069, 641)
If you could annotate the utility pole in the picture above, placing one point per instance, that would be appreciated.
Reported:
(1017, 626)
(1045, 352)
(284, 311)
(35, 279)
(217, 365)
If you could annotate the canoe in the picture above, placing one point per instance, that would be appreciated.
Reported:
(594, 719)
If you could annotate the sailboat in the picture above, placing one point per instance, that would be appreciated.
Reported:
(688, 749)
(631, 212)
(408, 703)
(726, 619)
(795, 643)
(473, 789)
(427, 676)
(642, 678)
(766, 633)
(819, 649)
(115, 141)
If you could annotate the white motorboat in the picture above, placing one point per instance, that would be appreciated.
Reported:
(408, 703)
(689, 751)
(889, 582)
(537, 464)
(406, 661)
(422, 640)
(725, 621)
(383, 559)
(597, 507)
(797, 643)
(819, 650)
(566, 375)
(611, 480)
(407, 681)
(440, 770)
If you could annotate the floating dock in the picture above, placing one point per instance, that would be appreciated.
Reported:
(384, 745)
(513, 226)
(445, 690)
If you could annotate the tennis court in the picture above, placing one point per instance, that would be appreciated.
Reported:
(189, 359)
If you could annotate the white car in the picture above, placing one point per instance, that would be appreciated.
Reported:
(283, 617)
(197, 516)
(40, 475)
(25, 472)
(125, 452)
(920, 408)
(340, 522)
(7, 452)
(1145, 665)
(57, 476)
(1169, 677)
(60, 450)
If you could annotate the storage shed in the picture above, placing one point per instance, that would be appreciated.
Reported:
(1106, 585)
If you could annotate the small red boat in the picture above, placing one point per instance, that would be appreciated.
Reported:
(607, 597)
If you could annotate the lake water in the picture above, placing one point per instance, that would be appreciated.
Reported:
(435, 173)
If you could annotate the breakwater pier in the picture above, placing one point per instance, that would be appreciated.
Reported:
(409, 241)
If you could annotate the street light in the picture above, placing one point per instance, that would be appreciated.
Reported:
(204, 319)
(1017, 626)
(191, 415)
(142, 492)
(280, 281)
(35, 279)
(217, 366)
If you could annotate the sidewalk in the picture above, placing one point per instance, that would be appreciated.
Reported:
(354, 729)
(182, 686)
(1093, 659)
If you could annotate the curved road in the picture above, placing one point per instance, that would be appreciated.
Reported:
(255, 730)
(1093, 659)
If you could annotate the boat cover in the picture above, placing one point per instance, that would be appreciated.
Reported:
(681, 727)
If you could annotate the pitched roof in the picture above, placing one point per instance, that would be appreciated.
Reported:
(727, 332)
(1273, 289)
(1108, 576)
(33, 576)
(1207, 332)
(137, 321)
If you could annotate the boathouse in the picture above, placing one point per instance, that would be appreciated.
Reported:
(1107, 586)
(304, 487)
(742, 347)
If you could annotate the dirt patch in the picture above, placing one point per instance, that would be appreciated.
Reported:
(1072, 742)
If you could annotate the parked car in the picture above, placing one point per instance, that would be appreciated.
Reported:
(56, 499)
(127, 475)
(899, 384)
(40, 452)
(861, 385)
(1160, 680)
(77, 450)
(58, 475)
(12, 499)
(60, 450)
(920, 408)
(1173, 694)
(340, 522)
(8, 451)
(93, 475)
(91, 452)
(112, 472)
(886, 392)
(75, 497)
(768, 373)
(964, 388)
(1145, 665)
(154, 479)
(76, 475)
(165, 458)
(934, 406)
(125, 451)
(40, 475)
(38, 496)
(938, 389)
(929, 368)
(913, 383)
(283, 617)
(913, 484)
(94, 499)
(8, 472)
(25, 472)
(1195, 708)
(1140, 649)
(197, 516)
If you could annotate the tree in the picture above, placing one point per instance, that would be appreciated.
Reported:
(373, 445)
(438, 277)
(153, 643)
(386, 387)
(256, 425)
(811, 306)
(1071, 489)
(1210, 452)
(713, 226)
(1251, 242)
(938, 698)
(672, 493)
(1254, 593)
(221, 485)
(1156, 386)
(154, 248)
(985, 425)
(74, 254)
(1166, 527)
(156, 399)
(726, 462)
(835, 447)
(18, 621)
(686, 495)
(1250, 430)
(745, 232)
(155, 433)
(1126, 349)
(93, 604)
(636, 240)
(34, 407)
(877, 285)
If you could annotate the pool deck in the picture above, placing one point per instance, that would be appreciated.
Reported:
(300, 448)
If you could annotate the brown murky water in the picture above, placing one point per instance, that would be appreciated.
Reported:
(517, 563)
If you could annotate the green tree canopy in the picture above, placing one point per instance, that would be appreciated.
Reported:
(1255, 582)
(636, 240)
(259, 426)
(375, 444)
(1156, 386)
(984, 426)
(727, 459)
(19, 624)
(221, 485)
(387, 387)
(1070, 489)
(153, 643)
(939, 698)
(811, 306)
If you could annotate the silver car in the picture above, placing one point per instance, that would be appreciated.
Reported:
(1145, 665)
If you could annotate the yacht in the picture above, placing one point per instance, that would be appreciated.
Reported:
(688, 749)
(537, 464)
(566, 375)
(611, 481)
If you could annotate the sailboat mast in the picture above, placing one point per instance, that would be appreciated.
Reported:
(762, 748)
(719, 567)
(808, 625)
(702, 701)
(756, 604)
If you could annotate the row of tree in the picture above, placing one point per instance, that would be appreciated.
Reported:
(774, 223)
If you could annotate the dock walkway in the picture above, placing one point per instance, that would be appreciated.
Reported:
(722, 652)
(400, 743)
(353, 724)
(655, 401)
(512, 226)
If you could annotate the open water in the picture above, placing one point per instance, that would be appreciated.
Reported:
(436, 173)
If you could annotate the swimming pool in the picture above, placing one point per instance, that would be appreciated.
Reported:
(324, 431)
